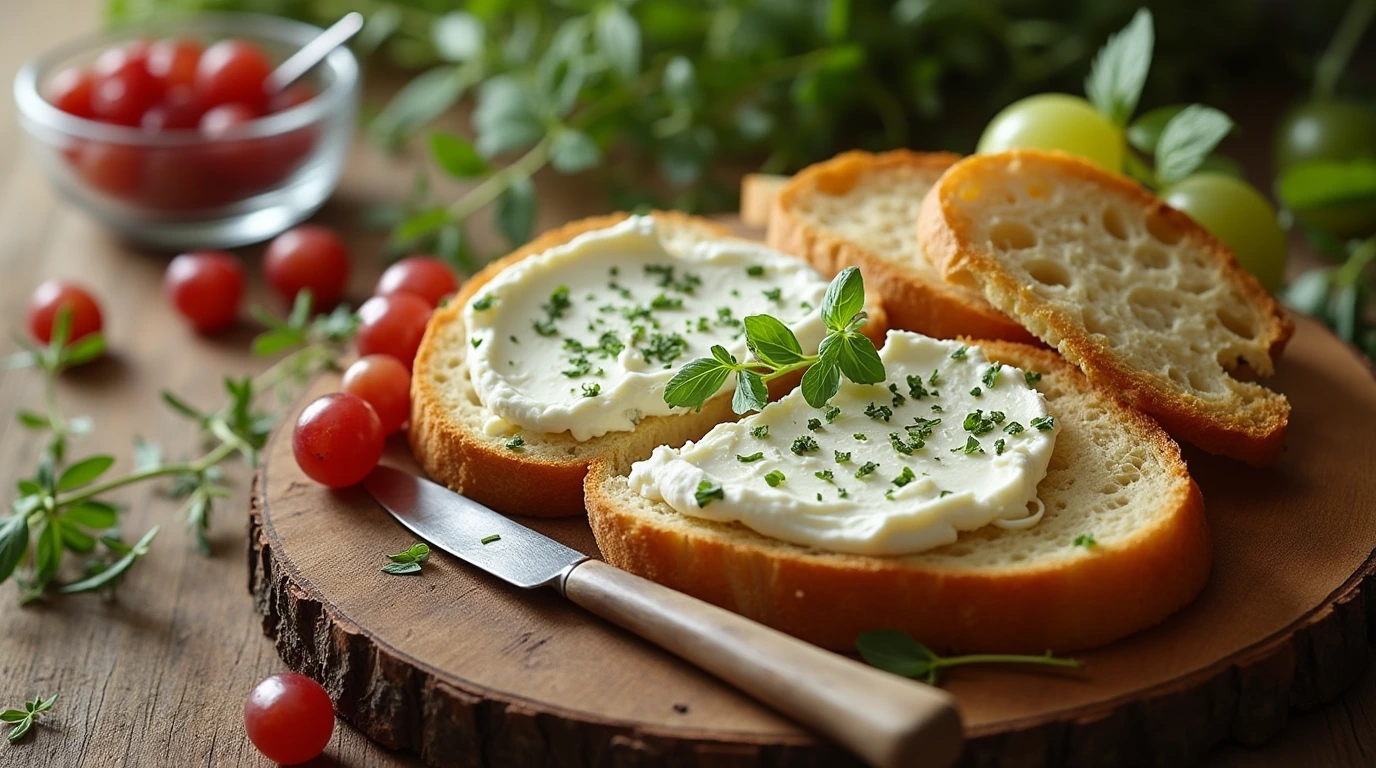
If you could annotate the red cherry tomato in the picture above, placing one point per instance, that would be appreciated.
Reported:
(383, 383)
(424, 276)
(179, 110)
(392, 325)
(123, 97)
(289, 718)
(122, 58)
(338, 440)
(70, 91)
(206, 287)
(115, 169)
(54, 296)
(309, 256)
(173, 61)
(225, 118)
(233, 71)
(294, 96)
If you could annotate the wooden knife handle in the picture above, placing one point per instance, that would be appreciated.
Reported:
(886, 720)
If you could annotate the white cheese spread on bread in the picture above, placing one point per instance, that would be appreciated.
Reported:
(583, 337)
(949, 442)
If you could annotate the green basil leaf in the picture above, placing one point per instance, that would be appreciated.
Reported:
(75, 539)
(1120, 68)
(845, 297)
(14, 542)
(117, 569)
(572, 151)
(856, 356)
(33, 420)
(85, 349)
(84, 472)
(1145, 131)
(1187, 139)
(720, 353)
(515, 214)
(92, 514)
(751, 393)
(47, 553)
(399, 569)
(1323, 183)
(772, 341)
(896, 652)
(618, 38)
(458, 36)
(455, 156)
(696, 382)
(821, 382)
(426, 97)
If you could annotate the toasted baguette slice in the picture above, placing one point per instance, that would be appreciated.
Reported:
(1114, 475)
(545, 477)
(758, 192)
(860, 209)
(1134, 292)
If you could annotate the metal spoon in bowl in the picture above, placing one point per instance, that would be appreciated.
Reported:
(313, 53)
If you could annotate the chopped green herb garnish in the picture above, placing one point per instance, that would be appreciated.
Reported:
(756, 456)
(760, 431)
(922, 427)
(998, 447)
(774, 478)
(1085, 540)
(943, 494)
(664, 302)
(814, 424)
(609, 345)
(915, 389)
(1031, 377)
(516, 443)
(977, 423)
(842, 457)
(959, 354)
(971, 446)
(842, 493)
(937, 409)
(476, 342)
(897, 398)
(558, 303)
(485, 302)
(1044, 423)
(408, 561)
(514, 340)
(878, 412)
(976, 392)
(614, 271)
(581, 366)
(545, 328)
(826, 475)
(904, 477)
(991, 375)
(935, 375)
(904, 447)
(592, 390)
(774, 294)
(754, 270)
(997, 417)
(1012, 428)
(860, 436)
(831, 413)
(667, 348)
(804, 444)
(866, 469)
(490, 539)
(707, 491)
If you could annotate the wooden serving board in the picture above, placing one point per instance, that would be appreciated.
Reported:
(465, 671)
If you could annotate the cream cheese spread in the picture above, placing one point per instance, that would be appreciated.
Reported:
(583, 337)
(949, 442)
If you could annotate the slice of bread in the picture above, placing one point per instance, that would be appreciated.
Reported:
(1134, 292)
(1114, 475)
(544, 478)
(758, 193)
(860, 209)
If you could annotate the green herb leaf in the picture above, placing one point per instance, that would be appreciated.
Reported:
(774, 478)
(455, 156)
(696, 382)
(751, 393)
(490, 538)
(618, 38)
(760, 431)
(112, 574)
(84, 472)
(12, 716)
(33, 420)
(844, 299)
(401, 569)
(804, 444)
(895, 652)
(821, 382)
(1044, 423)
(772, 341)
(756, 456)
(707, 491)
(1119, 71)
(1187, 139)
(458, 36)
(857, 357)
(417, 553)
(1145, 131)
(1321, 183)
(426, 97)
(84, 349)
(572, 151)
(505, 117)
(516, 443)
(515, 213)
(14, 542)
(269, 343)
(1085, 540)
(93, 514)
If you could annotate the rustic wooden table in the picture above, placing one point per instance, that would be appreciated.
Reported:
(159, 676)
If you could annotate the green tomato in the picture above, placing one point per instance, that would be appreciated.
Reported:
(1330, 131)
(1236, 213)
(1056, 121)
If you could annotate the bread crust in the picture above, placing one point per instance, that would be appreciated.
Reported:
(546, 478)
(1091, 598)
(1257, 438)
(914, 300)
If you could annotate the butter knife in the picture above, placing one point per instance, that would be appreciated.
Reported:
(887, 721)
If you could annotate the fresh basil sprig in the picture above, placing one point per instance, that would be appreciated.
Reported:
(896, 652)
(843, 351)
(23, 719)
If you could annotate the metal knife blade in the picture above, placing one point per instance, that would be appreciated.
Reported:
(458, 525)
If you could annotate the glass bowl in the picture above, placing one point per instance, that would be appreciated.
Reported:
(179, 189)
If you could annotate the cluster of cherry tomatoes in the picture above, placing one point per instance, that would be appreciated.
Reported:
(174, 85)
